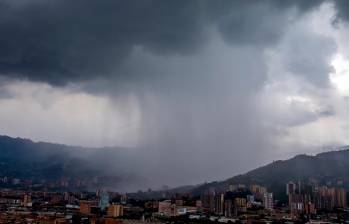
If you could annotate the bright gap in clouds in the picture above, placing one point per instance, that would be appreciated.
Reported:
(340, 77)
(66, 116)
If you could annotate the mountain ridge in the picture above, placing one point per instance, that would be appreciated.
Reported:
(49, 162)
(60, 160)
(325, 168)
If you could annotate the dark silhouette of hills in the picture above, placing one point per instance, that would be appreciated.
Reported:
(328, 168)
(115, 167)
(47, 162)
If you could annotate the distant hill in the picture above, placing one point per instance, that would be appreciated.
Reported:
(54, 164)
(119, 168)
(331, 168)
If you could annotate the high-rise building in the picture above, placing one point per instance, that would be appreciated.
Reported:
(240, 205)
(115, 210)
(103, 200)
(208, 201)
(340, 198)
(219, 204)
(328, 198)
(268, 201)
(296, 203)
(85, 207)
(165, 208)
(228, 208)
(233, 187)
(257, 189)
(309, 206)
(250, 198)
(291, 188)
(27, 200)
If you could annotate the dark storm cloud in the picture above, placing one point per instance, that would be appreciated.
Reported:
(342, 7)
(56, 41)
(60, 41)
(255, 22)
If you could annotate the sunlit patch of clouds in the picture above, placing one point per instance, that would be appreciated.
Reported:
(340, 77)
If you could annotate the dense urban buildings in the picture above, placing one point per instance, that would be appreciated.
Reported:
(307, 199)
(238, 203)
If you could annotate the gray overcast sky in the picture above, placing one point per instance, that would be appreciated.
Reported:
(202, 89)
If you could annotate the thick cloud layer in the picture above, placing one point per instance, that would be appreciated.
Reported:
(61, 41)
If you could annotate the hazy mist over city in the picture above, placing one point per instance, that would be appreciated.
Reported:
(191, 90)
